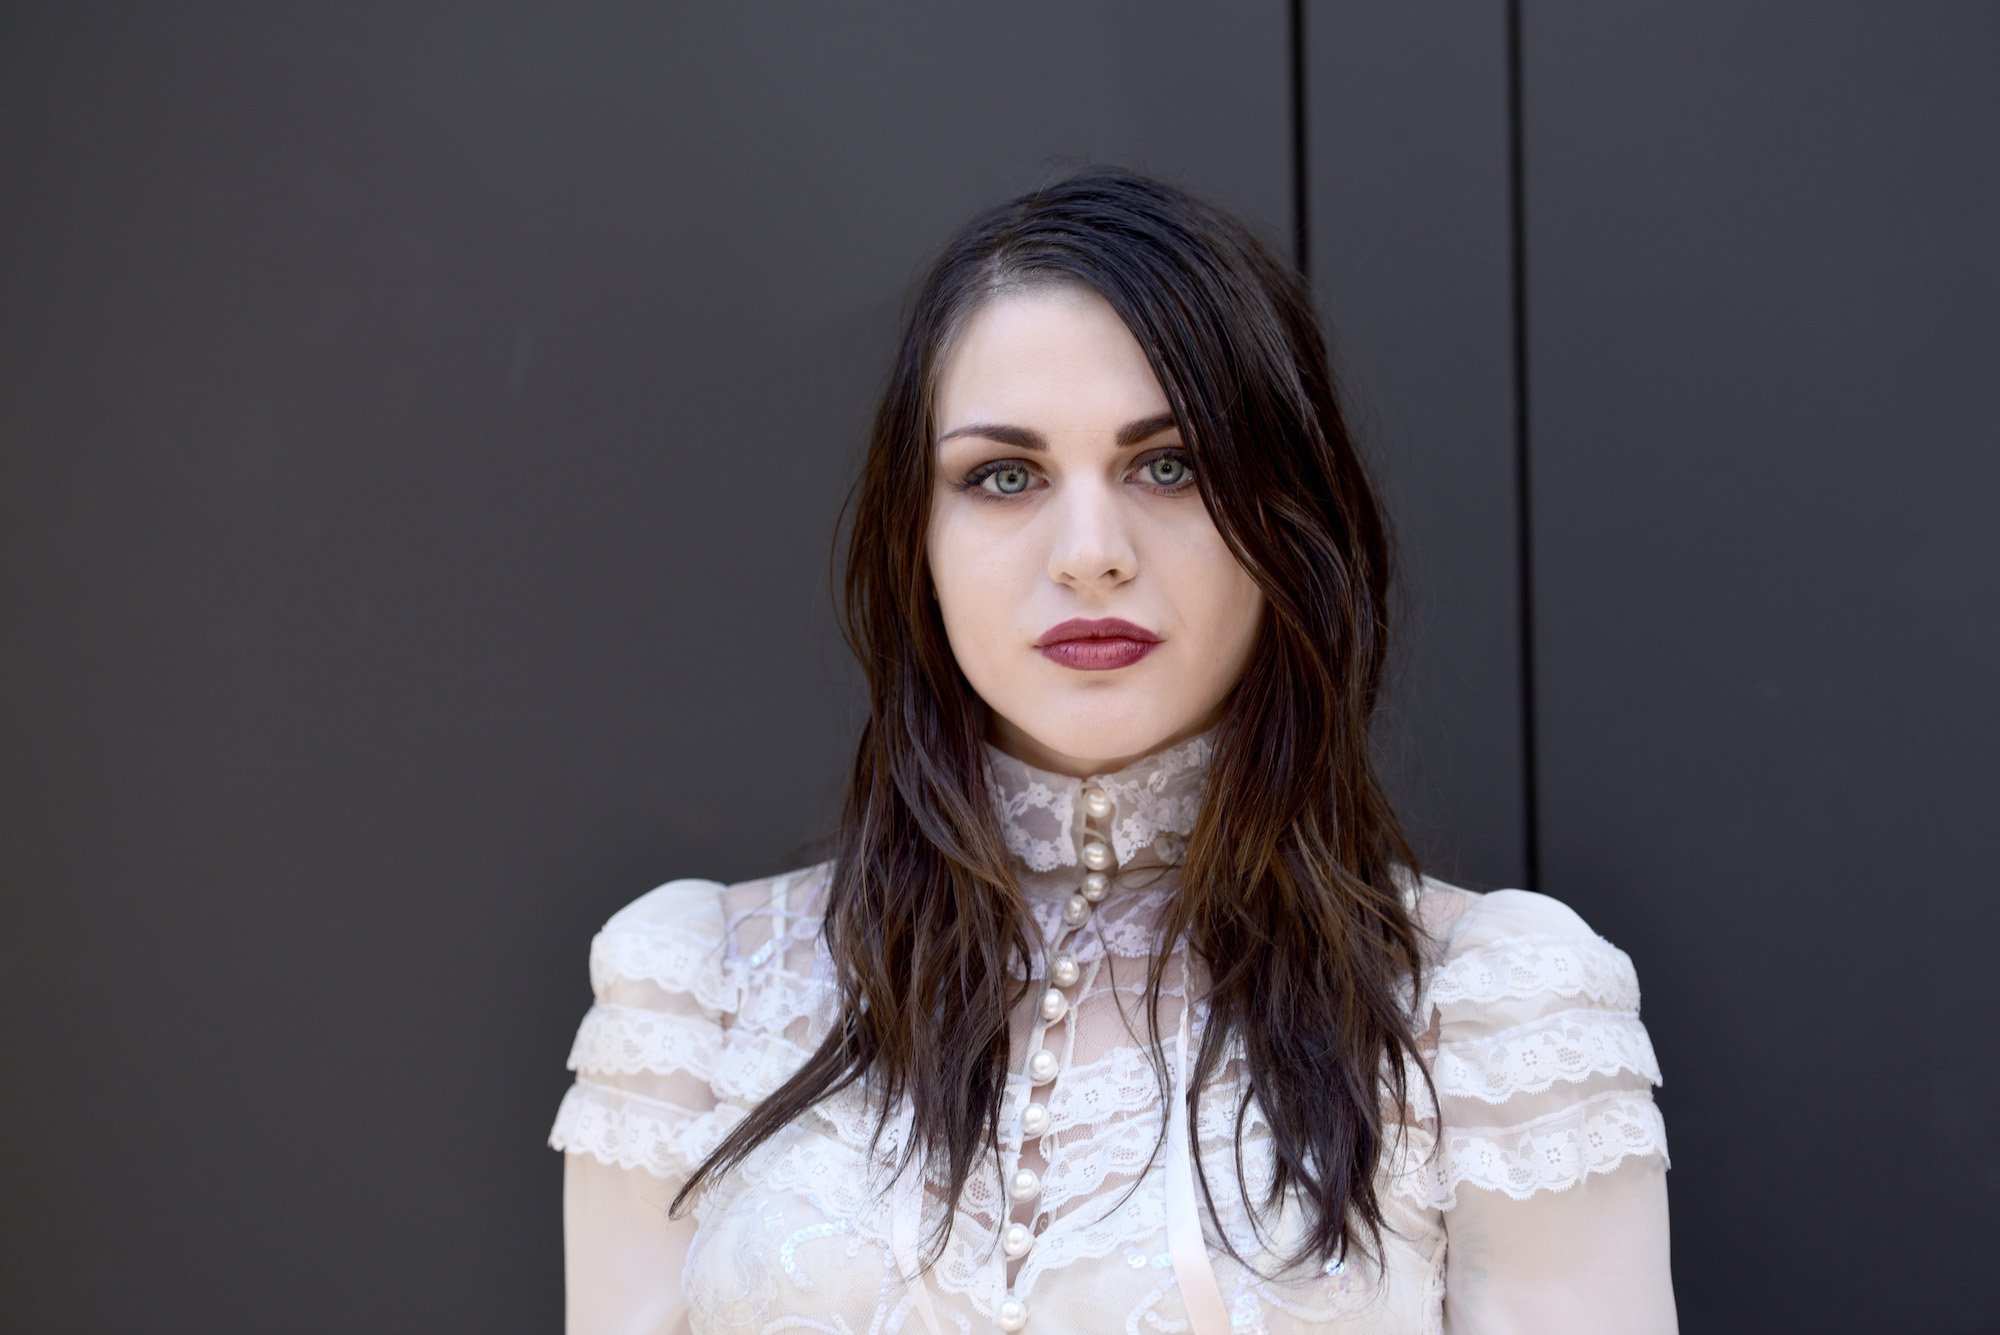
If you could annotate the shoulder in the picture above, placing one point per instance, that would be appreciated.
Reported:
(1499, 946)
(705, 938)
(698, 906)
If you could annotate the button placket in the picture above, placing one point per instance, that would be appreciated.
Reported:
(1024, 1186)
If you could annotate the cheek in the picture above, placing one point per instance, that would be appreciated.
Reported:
(1216, 591)
(1221, 609)
(941, 554)
(1236, 638)
(969, 577)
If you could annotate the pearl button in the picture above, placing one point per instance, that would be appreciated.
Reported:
(1065, 971)
(1042, 1066)
(1025, 1186)
(1096, 855)
(1054, 1005)
(1096, 885)
(1075, 910)
(1034, 1119)
(1096, 803)
(1016, 1240)
(1012, 1316)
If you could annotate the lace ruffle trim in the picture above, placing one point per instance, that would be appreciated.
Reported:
(746, 1064)
(1525, 967)
(625, 1130)
(676, 960)
(1551, 1153)
(625, 1040)
(1571, 1045)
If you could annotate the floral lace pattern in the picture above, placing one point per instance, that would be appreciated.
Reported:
(1554, 1153)
(1569, 1046)
(707, 997)
(1156, 801)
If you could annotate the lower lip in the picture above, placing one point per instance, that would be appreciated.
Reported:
(1098, 655)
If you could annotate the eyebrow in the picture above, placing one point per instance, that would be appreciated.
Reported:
(1024, 438)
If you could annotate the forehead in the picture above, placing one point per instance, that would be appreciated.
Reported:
(1050, 357)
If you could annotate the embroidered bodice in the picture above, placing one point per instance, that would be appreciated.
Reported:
(1529, 1196)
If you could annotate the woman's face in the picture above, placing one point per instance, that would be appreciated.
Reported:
(1061, 490)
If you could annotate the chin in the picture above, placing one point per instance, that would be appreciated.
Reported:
(1099, 732)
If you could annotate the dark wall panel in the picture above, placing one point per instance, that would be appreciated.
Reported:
(421, 432)
(1407, 152)
(1763, 276)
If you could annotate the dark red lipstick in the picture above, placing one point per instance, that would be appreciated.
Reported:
(1096, 645)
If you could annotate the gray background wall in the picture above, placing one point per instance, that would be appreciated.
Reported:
(421, 431)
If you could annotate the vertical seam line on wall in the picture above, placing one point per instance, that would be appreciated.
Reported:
(1300, 232)
(1523, 492)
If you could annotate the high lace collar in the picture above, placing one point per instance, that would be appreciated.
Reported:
(1153, 802)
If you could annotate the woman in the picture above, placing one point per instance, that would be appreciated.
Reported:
(1122, 1003)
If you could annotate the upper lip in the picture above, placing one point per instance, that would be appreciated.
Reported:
(1104, 628)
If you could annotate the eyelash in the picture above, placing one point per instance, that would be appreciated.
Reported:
(972, 480)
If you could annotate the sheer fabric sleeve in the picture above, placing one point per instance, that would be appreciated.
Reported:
(642, 1111)
(1553, 1154)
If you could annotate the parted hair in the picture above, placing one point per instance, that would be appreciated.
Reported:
(1288, 895)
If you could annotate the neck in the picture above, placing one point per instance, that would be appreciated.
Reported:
(1010, 740)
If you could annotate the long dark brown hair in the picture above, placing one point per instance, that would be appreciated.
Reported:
(1289, 894)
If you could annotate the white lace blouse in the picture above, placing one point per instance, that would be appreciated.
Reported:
(1543, 1208)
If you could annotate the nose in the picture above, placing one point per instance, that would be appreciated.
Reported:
(1090, 543)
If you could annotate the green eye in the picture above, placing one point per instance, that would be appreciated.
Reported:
(1176, 470)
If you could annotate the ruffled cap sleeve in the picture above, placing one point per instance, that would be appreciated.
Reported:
(1552, 1156)
(649, 1050)
(1544, 1071)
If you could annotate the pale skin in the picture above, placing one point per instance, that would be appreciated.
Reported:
(1089, 510)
